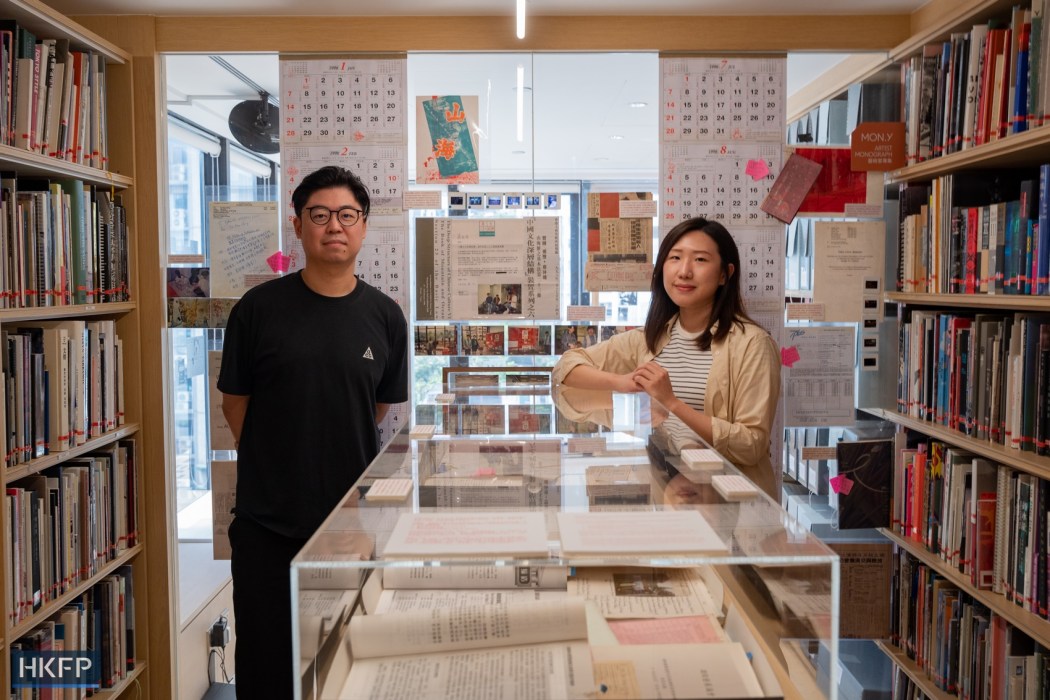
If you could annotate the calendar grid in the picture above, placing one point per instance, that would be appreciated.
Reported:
(721, 148)
(352, 113)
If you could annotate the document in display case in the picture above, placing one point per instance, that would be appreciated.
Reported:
(561, 591)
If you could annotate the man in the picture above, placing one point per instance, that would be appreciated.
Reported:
(311, 363)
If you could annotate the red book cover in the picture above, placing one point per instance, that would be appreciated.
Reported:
(973, 235)
(790, 188)
(993, 46)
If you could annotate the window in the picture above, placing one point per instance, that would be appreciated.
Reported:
(202, 168)
(594, 139)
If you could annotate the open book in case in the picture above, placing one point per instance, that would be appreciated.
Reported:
(559, 563)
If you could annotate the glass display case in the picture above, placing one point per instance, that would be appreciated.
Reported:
(526, 545)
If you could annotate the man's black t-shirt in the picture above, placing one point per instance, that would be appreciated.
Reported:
(314, 368)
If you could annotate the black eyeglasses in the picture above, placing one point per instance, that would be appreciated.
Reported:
(347, 216)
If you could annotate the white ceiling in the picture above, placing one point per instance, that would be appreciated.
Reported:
(581, 101)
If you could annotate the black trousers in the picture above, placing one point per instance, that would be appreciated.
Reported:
(262, 606)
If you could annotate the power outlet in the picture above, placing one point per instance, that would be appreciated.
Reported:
(219, 634)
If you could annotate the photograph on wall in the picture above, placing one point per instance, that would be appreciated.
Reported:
(219, 312)
(481, 340)
(187, 313)
(475, 420)
(435, 340)
(527, 382)
(570, 337)
(188, 282)
(610, 331)
(572, 425)
(619, 241)
(529, 340)
(529, 419)
(497, 298)
(474, 269)
(446, 139)
(474, 382)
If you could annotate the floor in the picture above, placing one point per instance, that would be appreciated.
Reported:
(203, 595)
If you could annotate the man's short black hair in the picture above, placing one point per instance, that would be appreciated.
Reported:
(326, 178)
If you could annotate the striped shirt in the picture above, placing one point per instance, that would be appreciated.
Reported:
(687, 365)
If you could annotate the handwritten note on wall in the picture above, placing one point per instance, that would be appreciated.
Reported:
(243, 236)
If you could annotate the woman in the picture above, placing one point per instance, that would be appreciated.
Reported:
(699, 354)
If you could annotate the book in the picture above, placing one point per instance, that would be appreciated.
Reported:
(497, 650)
(479, 534)
(982, 522)
(474, 576)
(321, 568)
(642, 592)
(869, 465)
(656, 533)
(320, 613)
(714, 670)
(790, 188)
(1042, 416)
(57, 365)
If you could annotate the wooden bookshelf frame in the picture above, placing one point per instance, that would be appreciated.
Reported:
(53, 606)
(912, 670)
(1015, 459)
(1014, 302)
(39, 464)
(130, 109)
(1031, 624)
(1013, 151)
(37, 164)
(934, 21)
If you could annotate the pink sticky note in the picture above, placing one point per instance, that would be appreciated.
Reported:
(279, 262)
(789, 356)
(757, 169)
(485, 471)
(841, 484)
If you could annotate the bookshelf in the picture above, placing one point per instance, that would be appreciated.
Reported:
(916, 674)
(117, 179)
(1021, 461)
(1028, 149)
(1034, 626)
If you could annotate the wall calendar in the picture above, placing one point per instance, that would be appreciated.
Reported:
(721, 148)
(352, 113)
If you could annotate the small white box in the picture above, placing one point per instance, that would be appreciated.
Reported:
(734, 487)
(420, 431)
(389, 490)
(702, 459)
